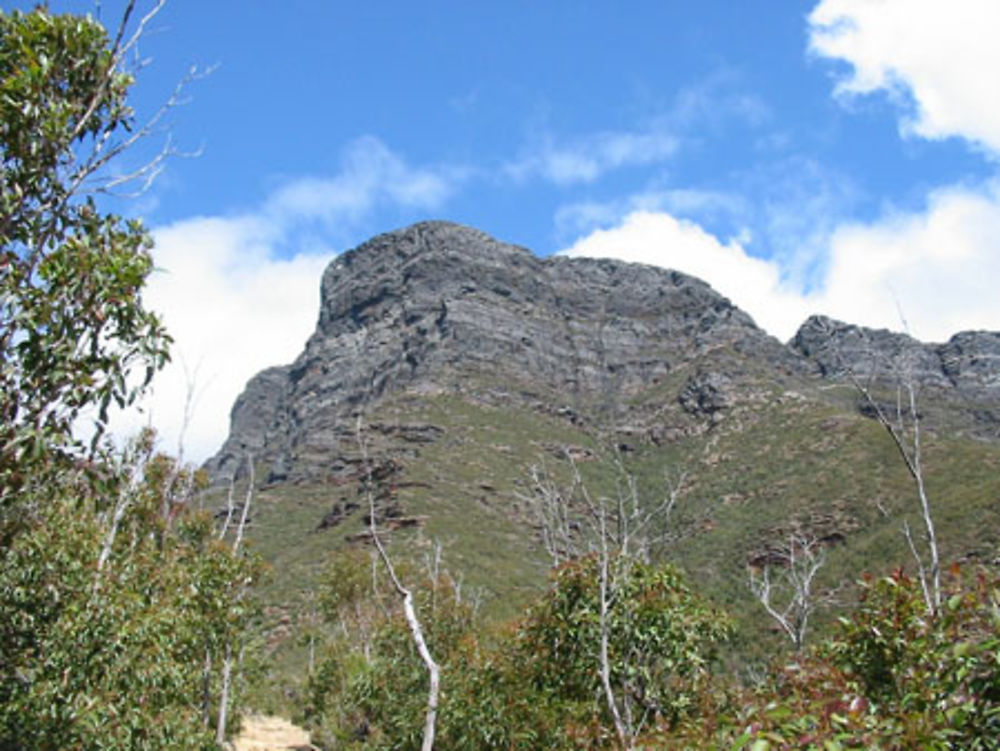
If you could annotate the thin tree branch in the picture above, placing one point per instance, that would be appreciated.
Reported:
(433, 670)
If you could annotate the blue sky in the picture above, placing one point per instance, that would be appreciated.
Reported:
(834, 156)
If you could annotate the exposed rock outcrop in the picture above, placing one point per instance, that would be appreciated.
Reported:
(970, 360)
(442, 307)
(434, 305)
(966, 369)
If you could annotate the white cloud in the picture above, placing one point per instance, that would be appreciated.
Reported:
(587, 159)
(660, 239)
(575, 219)
(938, 268)
(370, 173)
(233, 309)
(939, 58)
(936, 60)
(236, 301)
(941, 265)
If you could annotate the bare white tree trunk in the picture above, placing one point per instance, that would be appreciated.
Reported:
(910, 450)
(109, 540)
(618, 530)
(803, 560)
(409, 610)
(907, 440)
(133, 461)
(625, 736)
(230, 508)
(246, 505)
(227, 662)
(227, 669)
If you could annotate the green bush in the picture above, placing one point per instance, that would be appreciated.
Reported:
(118, 605)
(533, 684)
(894, 677)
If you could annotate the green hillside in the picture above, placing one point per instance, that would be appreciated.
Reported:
(790, 457)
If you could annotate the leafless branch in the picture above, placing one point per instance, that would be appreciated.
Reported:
(619, 529)
(803, 558)
(909, 447)
(133, 462)
(624, 736)
(227, 662)
(246, 505)
(416, 630)
(573, 522)
(230, 507)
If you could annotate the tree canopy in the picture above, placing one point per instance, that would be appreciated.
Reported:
(73, 327)
(123, 612)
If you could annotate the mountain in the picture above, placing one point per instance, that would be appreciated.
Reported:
(437, 307)
(446, 364)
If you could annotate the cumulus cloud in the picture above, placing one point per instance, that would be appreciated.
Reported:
(936, 58)
(233, 308)
(660, 239)
(935, 268)
(940, 265)
(235, 298)
(789, 207)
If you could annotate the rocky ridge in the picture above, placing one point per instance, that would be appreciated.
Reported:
(439, 307)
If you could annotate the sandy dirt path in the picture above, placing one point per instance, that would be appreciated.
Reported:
(263, 733)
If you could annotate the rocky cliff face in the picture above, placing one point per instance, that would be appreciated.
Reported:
(441, 307)
(969, 361)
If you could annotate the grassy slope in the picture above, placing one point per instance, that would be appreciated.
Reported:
(788, 452)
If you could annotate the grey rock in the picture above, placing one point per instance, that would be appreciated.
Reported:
(439, 306)
(706, 394)
(258, 422)
(971, 359)
(963, 374)
(838, 349)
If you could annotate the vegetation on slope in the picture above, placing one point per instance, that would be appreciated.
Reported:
(124, 616)
(795, 460)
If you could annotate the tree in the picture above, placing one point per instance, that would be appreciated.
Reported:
(370, 686)
(905, 433)
(652, 644)
(902, 423)
(106, 617)
(893, 676)
(801, 559)
(73, 328)
(616, 532)
(409, 609)
(115, 596)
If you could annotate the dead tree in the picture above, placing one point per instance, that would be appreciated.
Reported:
(904, 430)
(799, 561)
(573, 523)
(902, 423)
(409, 610)
(227, 662)
(620, 530)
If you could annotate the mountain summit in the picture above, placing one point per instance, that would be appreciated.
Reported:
(443, 308)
